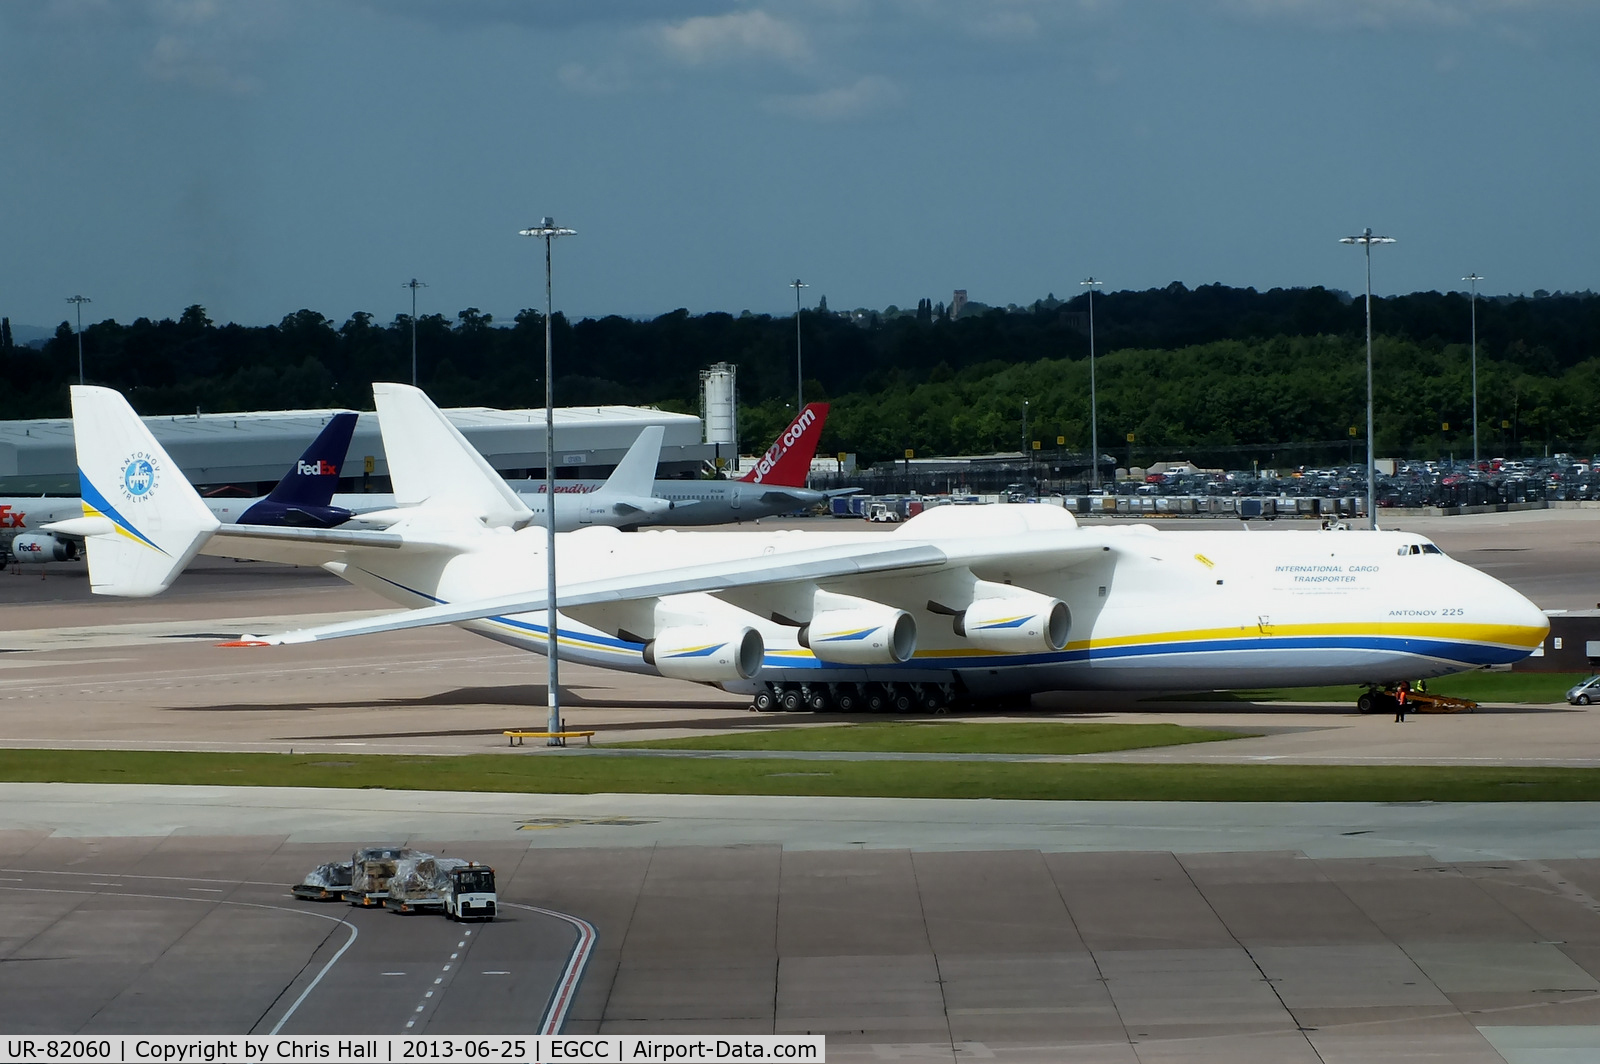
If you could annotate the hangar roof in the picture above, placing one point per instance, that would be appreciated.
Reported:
(258, 446)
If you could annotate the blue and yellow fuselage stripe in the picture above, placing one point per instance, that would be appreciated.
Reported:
(95, 504)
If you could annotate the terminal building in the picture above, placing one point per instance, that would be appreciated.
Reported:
(249, 452)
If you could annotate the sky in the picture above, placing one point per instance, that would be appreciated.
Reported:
(266, 156)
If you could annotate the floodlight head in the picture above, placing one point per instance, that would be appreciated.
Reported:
(79, 299)
(413, 284)
(547, 228)
(1366, 239)
(797, 283)
(1091, 281)
(1473, 277)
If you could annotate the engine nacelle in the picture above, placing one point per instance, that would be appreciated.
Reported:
(706, 654)
(1019, 623)
(43, 547)
(869, 635)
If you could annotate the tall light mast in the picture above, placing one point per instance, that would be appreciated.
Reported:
(80, 301)
(799, 376)
(414, 284)
(548, 229)
(1366, 240)
(1474, 278)
(1094, 406)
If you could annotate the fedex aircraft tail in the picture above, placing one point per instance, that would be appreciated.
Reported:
(142, 520)
(788, 461)
(305, 494)
(315, 476)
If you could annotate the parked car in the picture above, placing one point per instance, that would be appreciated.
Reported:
(1586, 692)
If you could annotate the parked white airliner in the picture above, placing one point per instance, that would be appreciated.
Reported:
(976, 602)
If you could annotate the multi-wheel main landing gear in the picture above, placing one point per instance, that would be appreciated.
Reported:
(854, 698)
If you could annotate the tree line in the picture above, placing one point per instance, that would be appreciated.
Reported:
(1229, 372)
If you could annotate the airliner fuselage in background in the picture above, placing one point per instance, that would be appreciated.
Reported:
(775, 484)
(700, 502)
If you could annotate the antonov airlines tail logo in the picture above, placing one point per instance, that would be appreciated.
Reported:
(139, 476)
(320, 468)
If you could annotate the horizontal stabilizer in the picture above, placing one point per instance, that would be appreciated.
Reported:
(339, 537)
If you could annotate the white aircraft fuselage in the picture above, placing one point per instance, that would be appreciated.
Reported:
(1150, 610)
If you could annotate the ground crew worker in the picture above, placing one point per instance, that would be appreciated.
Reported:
(1400, 702)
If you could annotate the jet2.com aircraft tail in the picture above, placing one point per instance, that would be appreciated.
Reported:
(142, 522)
(788, 461)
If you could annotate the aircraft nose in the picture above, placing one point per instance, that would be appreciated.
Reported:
(1527, 623)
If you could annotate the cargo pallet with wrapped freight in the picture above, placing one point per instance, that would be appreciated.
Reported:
(405, 881)
(462, 890)
(326, 882)
(370, 872)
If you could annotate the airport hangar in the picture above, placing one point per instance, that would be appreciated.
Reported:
(251, 451)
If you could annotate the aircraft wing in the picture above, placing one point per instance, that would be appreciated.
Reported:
(790, 497)
(819, 564)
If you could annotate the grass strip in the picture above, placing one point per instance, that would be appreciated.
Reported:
(1534, 688)
(954, 738)
(575, 773)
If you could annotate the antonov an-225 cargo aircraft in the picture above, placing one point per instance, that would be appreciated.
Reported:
(957, 603)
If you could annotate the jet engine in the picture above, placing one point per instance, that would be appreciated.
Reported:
(1021, 622)
(866, 635)
(43, 547)
(706, 654)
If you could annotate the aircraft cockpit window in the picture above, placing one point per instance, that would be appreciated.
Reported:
(1429, 548)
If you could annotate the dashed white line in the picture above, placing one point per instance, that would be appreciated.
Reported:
(439, 980)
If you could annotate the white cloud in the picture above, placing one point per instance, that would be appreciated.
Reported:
(601, 79)
(210, 44)
(740, 35)
(1386, 14)
(865, 96)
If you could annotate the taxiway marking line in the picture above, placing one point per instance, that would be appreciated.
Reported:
(555, 1015)
(246, 904)
(412, 1022)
